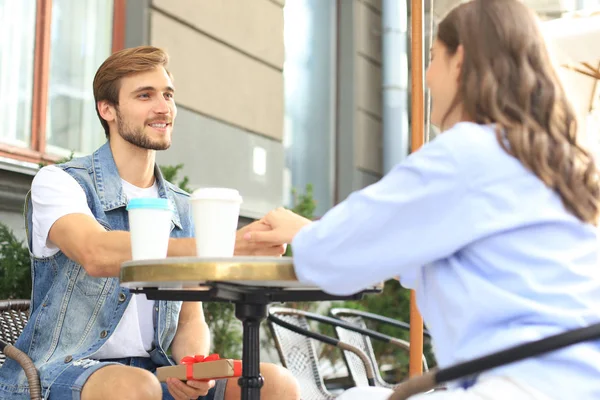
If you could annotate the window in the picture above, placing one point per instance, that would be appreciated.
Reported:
(49, 53)
(17, 38)
(80, 42)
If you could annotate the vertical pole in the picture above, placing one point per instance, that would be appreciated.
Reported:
(41, 75)
(118, 29)
(417, 138)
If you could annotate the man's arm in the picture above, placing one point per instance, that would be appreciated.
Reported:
(102, 252)
(192, 336)
(99, 251)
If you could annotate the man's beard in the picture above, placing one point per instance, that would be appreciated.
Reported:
(136, 136)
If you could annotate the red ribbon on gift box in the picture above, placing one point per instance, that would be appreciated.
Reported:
(189, 362)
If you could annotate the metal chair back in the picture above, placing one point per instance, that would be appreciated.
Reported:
(355, 366)
(363, 342)
(297, 353)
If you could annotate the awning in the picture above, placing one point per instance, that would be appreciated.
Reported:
(575, 42)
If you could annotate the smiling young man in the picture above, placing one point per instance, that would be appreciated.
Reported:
(90, 338)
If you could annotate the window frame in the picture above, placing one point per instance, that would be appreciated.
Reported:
(36, 152)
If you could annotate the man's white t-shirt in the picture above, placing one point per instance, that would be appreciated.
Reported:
(54, 194)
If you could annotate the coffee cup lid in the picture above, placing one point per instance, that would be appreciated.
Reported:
(217, 194)
(148, 203)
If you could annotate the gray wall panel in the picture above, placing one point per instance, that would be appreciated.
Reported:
(15, 181)
(364, 178)
(138, 23)
(15, 221)
(219, 155)
(346, 101)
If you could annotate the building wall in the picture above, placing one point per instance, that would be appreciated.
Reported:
(369, 90)
(359, 140)
(227, 58)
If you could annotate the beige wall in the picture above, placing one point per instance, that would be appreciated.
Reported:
(227, 59)
(369, 30)
(368, 143)
(376, 4)
(368, 131)
(250, 26)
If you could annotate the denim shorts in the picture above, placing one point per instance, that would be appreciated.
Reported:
(69, 384)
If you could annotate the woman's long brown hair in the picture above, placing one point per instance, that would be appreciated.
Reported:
(508, 79)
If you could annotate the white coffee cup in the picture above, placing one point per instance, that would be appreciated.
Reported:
(150, 227)
(216, 212)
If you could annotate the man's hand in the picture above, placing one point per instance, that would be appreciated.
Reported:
(190, 390)
(256, 248)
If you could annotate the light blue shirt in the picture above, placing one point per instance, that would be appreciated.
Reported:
(493, 255)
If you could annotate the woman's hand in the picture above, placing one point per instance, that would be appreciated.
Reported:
(188, 390)
(244, 247)
(284, 226)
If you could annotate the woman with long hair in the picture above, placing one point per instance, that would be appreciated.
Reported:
(493, 223)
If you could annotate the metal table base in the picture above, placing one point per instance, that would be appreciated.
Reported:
(250, 283)
(250, 308)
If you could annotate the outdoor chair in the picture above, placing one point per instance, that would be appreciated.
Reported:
(294, 342)
(356, 338)
(13, 317)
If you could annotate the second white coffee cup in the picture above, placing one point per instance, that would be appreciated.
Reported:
(216, 212)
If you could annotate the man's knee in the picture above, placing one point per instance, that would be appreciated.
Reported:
(122, 382)
(279, 382)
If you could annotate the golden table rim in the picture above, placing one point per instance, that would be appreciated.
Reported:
(193, 269)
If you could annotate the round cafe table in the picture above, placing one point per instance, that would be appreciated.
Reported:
(251, 283)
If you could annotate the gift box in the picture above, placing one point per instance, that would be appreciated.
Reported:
(201, 368)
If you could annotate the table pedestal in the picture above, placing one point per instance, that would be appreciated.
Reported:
(251, 316)
(250, 308)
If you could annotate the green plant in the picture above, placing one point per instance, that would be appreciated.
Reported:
(225, 328)
(15, 262)
(170, 174)
(303, 204)
(15, 266)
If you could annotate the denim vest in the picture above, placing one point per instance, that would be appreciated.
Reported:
(73, 313)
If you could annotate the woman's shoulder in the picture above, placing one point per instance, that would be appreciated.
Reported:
(469, 135)
(477, 152)
(470, 142)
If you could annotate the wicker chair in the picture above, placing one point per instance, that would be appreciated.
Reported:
(356, 338)
(13, 317)
(294, 343)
